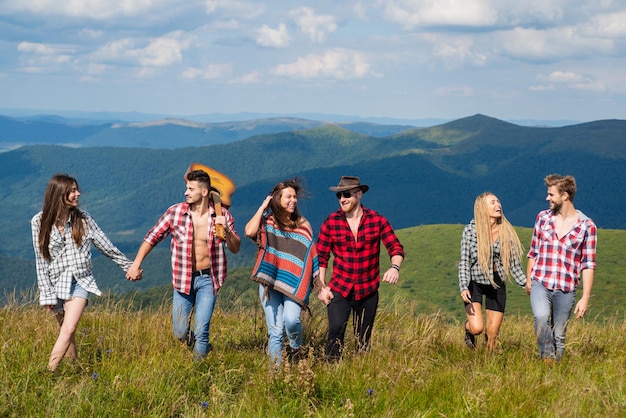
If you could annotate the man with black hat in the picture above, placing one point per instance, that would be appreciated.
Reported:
(352, 234)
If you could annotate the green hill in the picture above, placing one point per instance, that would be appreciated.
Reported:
(428, 280)
(422, 177)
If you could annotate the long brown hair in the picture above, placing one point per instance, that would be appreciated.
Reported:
(280, 214)
(55, 203)
(510, 245)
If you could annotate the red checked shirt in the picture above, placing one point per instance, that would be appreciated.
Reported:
(559, 262)
(177, 222)
(356, 262)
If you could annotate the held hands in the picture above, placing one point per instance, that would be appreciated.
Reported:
(325, 295)
(528, 287)
(134, 273)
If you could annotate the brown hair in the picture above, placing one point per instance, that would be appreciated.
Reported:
(510, 245)
(295, 219)
(54, 204)
(565, 184)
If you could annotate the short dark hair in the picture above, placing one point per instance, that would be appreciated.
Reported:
(201, 177)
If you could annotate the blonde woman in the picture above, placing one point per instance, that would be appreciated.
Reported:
(490, 252)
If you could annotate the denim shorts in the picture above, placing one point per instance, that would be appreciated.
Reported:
(76, 291)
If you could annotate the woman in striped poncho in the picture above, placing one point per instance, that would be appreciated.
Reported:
(285, 267)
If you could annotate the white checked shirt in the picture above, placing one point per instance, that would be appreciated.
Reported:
(470, 270)
(54, 276)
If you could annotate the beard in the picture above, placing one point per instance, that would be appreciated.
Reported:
(556, 207)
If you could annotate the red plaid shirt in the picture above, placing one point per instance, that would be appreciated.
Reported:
(356, 263)
(177, 222)
(559, 262)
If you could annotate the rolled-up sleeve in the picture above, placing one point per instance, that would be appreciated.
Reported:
(465, 263)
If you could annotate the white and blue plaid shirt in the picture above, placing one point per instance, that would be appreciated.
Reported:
(69, 261)
(469, 269)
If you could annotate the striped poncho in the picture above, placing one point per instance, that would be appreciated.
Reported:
(286, 260)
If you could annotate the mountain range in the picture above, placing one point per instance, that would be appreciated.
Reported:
(416, 175)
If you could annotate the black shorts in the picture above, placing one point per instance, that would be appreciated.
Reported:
(495, 299)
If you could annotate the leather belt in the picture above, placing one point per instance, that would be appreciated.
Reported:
(201, 272)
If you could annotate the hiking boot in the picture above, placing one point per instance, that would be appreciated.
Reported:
(189, 339)
(295, 355)
(470, 339)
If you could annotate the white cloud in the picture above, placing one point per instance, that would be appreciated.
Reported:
(159, 52)
(464, 91)
(162, 52)
(274, 38)
(454, 51)
(42, 49)
(316, 27)
(413, 13)
(209, 72)
(610, 25)
(253, 77)
(93, 9)
(245, 10)
(340, 64)
(561, 77)
(543, 87)
(38, 58)
(549, 45)
(569, 79)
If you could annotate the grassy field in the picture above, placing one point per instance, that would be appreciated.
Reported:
(130, 365)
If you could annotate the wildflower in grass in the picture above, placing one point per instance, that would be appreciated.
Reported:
(204, 404)
(109, 351)
(370, 392)
(95, 376)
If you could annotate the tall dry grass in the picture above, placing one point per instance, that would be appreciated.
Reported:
(130, 365)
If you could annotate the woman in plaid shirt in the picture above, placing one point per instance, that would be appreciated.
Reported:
(62, 237)
(490, 251)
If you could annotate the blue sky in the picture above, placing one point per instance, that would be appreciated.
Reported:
(411, 59)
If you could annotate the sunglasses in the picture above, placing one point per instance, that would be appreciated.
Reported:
(345, 194)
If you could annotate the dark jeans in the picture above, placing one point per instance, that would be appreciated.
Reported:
(339, 309)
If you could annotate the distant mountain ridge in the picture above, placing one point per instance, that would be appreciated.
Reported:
(417, 176)
(166, 133)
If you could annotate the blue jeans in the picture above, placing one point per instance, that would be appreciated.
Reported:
(202, 297)
(552, 309)
(282, 315)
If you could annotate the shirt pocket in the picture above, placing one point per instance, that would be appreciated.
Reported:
(179, 232)
(572, 241)
(56, 246)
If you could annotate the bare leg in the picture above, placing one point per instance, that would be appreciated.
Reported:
(71, 353)
(66, 344)
(494, 320)
(474, 318)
